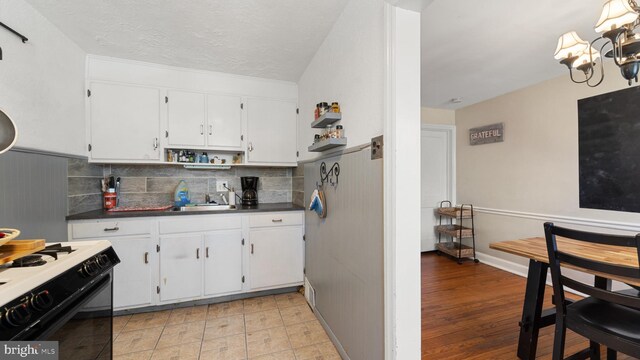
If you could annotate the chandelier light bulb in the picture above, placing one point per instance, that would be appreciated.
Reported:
(585, 59)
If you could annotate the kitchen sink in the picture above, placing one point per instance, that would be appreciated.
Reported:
(204, 207)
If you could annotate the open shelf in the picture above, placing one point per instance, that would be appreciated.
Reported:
(454, 212)
(454, 249)
(327, 144)
(455, 231)
(326, 119)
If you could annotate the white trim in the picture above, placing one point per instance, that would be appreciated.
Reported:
(389, 178)
(522, 270)
(606, 224)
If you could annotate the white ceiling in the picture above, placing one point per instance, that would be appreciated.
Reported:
(272, 39)
(477, 50)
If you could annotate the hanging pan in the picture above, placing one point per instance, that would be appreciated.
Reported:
(8, 132)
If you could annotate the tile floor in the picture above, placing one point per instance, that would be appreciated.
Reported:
(280, 327)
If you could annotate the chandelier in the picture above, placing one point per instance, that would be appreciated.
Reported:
(618, 39)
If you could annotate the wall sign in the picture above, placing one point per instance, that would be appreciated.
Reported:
(486, 134)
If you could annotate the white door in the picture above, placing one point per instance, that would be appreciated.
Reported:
(180, 267)
(124, 122)
(135, 278)
(437, 176)
(186, 118)
(224, 122)
(223, 262)
(276, 256)
(271, 131)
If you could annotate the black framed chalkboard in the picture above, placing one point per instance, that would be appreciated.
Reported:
(609, 148)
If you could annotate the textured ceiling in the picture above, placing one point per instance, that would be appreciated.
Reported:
(477, 50)
(273, 39)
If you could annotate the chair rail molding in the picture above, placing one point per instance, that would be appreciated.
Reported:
(605, 224)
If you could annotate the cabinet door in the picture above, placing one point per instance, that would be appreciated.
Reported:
(180, 267)
(223, 262)
(276, 256)
(224, 122)
(271, 131)
(186, 118)
(135, 278)
(124, 122)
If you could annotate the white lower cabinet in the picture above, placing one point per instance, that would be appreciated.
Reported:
(180, 267)
(135, 278)
(222, 262)
(175, 259)
(276, 251)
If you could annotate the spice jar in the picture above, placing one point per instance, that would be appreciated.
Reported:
(335, 107)
(317, 112)
(324, 108)
(316, 138)
(339, 132)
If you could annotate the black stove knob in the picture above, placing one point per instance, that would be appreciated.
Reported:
(89, 268)
(102, 260)
(18, 315)
(42, 300)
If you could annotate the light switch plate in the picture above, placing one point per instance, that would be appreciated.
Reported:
(220, 186)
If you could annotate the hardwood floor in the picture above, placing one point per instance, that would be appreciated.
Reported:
(471, 311)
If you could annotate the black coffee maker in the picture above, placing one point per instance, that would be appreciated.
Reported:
(249, 190)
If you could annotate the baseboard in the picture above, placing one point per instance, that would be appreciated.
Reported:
(518, 269)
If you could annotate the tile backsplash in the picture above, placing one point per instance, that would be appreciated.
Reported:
(151, 185)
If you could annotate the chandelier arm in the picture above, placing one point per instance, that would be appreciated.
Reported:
(601, 68)
(573, 79)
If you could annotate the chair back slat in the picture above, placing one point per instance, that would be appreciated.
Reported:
(596, 238)
(611, 269)
(605, 295)
(558, 258)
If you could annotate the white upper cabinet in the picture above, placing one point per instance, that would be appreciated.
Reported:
(271, 132)
(204, 121)
(124, 123)
(224, 122)
(186, 118)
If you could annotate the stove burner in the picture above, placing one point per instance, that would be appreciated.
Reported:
(53, 250)
(28, 261)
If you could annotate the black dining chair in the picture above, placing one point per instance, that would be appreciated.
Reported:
(605, 317)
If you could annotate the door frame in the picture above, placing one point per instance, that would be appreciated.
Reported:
(450, 130)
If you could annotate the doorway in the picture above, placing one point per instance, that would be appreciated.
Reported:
(438, 174)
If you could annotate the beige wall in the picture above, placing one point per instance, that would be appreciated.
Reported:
(535, 169)
(437, 116)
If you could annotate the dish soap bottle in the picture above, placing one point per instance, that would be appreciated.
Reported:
(181, 196)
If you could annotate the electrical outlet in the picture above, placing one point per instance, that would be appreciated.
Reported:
(221, 186)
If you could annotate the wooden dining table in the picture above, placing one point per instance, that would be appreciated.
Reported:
(535, 249)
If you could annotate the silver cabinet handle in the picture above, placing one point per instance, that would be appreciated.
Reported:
(146, 257)
(210, 129)
(251, 248)
(250, 147)
(112, 229)
(206, 252)
(276, 220)
(155, 144)
(198, 253)
(201, 129)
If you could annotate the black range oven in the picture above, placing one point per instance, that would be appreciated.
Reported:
(74, 308)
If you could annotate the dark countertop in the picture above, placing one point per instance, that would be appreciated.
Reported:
(101, 214)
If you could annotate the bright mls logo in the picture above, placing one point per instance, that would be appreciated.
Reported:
(11, 350)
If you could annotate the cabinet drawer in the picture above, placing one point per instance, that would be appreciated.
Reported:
(275, 219)
(110, 229)
(200, 224)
